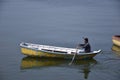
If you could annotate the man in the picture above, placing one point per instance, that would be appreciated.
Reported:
(86, 45)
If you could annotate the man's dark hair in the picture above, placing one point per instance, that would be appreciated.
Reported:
(86, 39)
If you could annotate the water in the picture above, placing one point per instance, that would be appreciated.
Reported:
(59, 23)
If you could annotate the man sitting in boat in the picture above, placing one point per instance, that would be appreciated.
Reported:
(86, 46)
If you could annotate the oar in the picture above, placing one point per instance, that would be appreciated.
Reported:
(73, 57)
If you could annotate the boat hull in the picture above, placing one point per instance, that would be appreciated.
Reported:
(38, 53)
(116, 40)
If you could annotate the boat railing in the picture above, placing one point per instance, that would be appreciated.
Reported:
(57, 49)
(50, 48)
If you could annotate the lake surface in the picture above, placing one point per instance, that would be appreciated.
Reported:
(59, 23)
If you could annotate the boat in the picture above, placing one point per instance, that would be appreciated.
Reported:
(116, 40)
(37, 50)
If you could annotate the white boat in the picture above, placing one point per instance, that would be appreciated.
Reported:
(38, 50)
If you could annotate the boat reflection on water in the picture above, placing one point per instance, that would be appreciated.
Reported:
(37, 63)
(116, 49)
